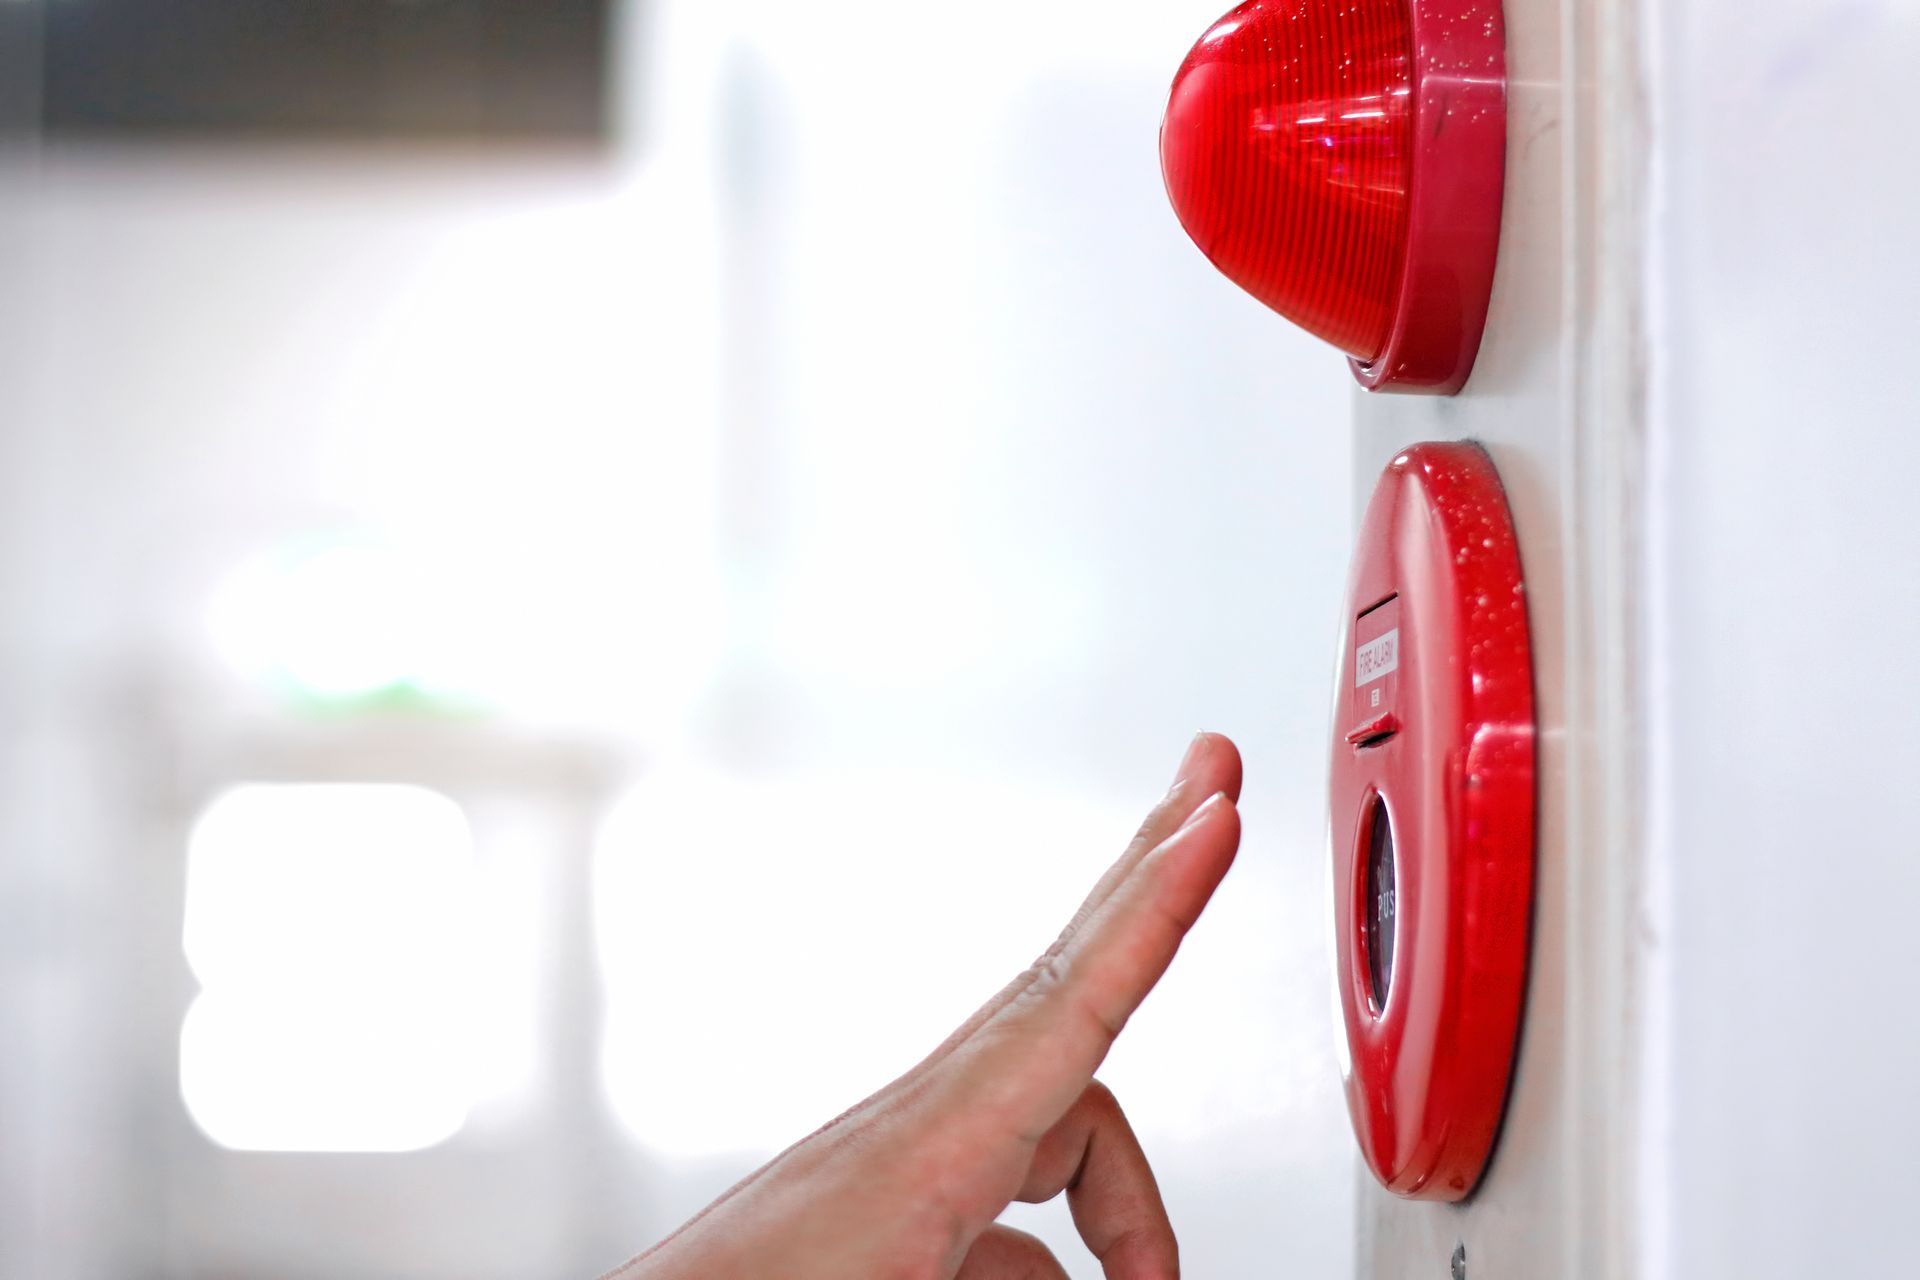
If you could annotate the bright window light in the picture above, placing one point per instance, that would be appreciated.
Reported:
(328, 926)
(773, 948)
(338, 622)
(473, 622)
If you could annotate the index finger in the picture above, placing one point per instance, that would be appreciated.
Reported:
(1026, 1065)
(1211, 765)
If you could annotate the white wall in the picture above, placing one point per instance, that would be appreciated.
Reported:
(1786, 808)
(1695, 384)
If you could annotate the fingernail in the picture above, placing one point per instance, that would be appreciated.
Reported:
(1195, 750)
(1213, 802)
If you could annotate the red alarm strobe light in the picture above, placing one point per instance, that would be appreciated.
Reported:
(1344, 161)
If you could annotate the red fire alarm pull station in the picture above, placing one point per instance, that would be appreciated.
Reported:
(1432, 821)
(1344, 162)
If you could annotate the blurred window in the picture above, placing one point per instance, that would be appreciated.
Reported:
(329, 928)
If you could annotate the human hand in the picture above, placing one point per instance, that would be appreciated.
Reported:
(907, 1185)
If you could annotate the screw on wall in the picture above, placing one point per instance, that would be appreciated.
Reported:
(1459, 1269)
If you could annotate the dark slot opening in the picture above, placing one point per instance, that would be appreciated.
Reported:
(1380, 904)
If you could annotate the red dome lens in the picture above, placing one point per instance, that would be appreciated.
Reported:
(1286, 152)
(1344, 161)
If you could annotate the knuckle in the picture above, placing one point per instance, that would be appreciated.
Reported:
(1106, 1023)
(1099, 1099)
(1022, 1239)
(1048, 974)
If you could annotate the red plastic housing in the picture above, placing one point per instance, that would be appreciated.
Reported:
(1344, 162)
(1434, 727)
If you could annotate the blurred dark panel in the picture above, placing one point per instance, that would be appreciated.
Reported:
(19, 68)
(360, 68)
